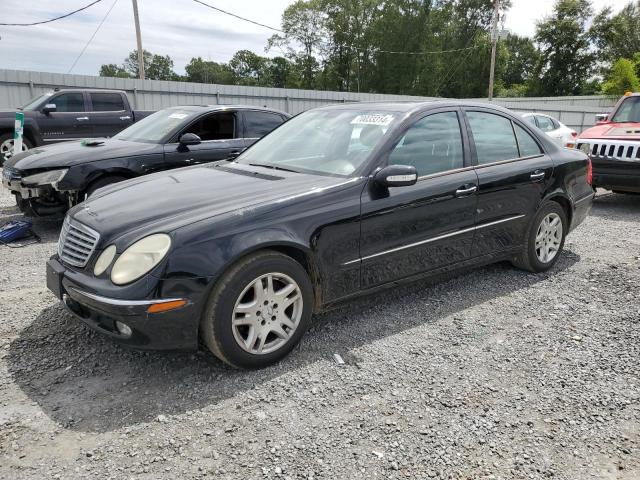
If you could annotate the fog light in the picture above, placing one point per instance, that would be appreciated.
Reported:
(123, 328)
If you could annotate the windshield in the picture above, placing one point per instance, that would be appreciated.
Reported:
(629, 111)
(35, 103)
(156, 126)
(334, 142)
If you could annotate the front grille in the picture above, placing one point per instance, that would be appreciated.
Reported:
(612, 150)
(77, 243)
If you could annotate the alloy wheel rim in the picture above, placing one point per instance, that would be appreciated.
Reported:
(6, 148)
(267, 313)
(549, 237)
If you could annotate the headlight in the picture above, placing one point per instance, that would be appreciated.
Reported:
(104, 260)
(45, 178)
(140, 258)
(585, 148)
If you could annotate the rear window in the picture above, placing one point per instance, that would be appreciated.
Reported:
(107, 102)
(258, 124)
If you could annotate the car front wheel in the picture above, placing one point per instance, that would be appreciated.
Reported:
(545, 239)
(258, 311)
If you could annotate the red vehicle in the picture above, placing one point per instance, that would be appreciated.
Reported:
(613, 145)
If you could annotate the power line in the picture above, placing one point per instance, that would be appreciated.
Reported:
(92, 36)
(238, 16)
(393, 52)
(50, 20)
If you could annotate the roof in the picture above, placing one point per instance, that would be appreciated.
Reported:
(213, 108)
(412, 106)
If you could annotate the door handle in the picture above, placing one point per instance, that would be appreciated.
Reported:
(466, 190)
(126, 117)
(82, 119)
(537, 175)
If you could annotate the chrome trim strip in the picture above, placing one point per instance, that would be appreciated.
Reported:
(122, 303)
(435, 239)
(588, 197)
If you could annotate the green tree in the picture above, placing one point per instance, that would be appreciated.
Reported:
(113, 70)
(203, 71)
(566, 61)
(617, 36)
(522, 57)
(250, 69)
(621, 79)
(303, 26)
(156, 67)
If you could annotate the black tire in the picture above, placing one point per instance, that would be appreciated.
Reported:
(9, 136)
(101, 182)
(216, 330)
(528, 258)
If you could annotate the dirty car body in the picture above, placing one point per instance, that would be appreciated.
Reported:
(454, 205)
(49, 180)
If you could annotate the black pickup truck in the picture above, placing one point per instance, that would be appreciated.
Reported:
(68, 114)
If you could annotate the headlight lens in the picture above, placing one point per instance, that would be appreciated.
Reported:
(585, 148)
(140, 258)
(104, 260)
(45, 178)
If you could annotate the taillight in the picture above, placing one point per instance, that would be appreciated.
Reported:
(589, 172)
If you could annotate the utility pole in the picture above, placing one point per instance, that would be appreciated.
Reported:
(139, 40)
(494, 41)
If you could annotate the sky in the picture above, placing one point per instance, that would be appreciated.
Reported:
(181, 29)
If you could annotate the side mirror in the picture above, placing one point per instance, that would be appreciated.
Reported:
(602, 117)
(189, 139)
(396, 176)
(49, 108)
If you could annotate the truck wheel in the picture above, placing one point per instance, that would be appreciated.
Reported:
(544, 240)
(6, 146)
(258, 311)
(101, 182)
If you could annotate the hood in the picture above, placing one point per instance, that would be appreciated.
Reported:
(165, 201)
(613, 131)
(69, 154)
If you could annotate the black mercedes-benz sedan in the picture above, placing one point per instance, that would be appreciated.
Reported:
(336, 202)
(48, 180)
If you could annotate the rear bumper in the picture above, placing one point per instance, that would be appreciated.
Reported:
(173, 330)
(581, 209)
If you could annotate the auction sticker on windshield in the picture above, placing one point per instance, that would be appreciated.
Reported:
(382, 119)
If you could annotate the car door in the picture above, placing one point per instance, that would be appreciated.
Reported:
(109, 115)
(257, 123)
(413, 229)
(513, 173)
(70, 120)
(221, 139)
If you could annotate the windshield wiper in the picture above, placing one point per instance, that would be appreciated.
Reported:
(273, 167)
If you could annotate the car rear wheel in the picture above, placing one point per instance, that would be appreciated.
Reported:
(545, 239)
(6, 146)
(258, 311)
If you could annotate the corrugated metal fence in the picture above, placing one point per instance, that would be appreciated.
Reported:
(18, 87)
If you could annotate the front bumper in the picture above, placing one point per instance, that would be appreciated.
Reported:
(173, 330)
(616, 163)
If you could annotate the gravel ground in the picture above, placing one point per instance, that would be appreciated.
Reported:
(493, 374)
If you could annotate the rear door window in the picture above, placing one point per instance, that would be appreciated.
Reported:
(258, 124)
(493, 137)
(69, 102)
(107, 102)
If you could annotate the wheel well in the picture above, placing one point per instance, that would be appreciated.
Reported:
(564, 203)
(123, 173)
